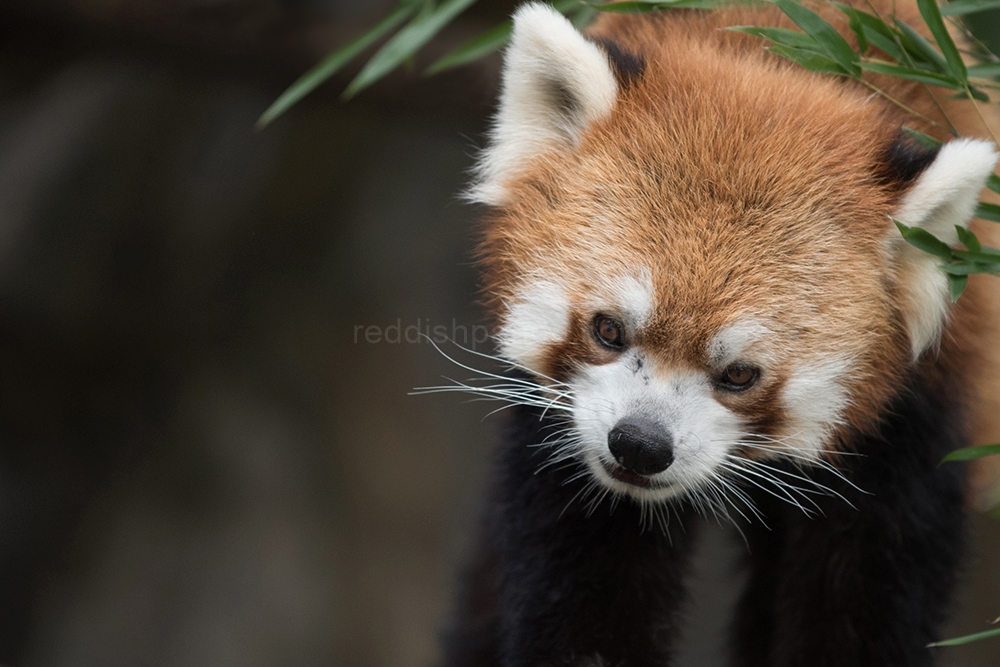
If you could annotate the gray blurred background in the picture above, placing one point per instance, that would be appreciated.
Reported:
(202, 462)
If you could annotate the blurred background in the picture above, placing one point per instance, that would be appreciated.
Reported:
(203, 459)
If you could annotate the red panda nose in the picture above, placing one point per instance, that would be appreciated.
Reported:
(641, 445)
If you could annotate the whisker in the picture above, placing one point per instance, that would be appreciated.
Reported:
(813, 462)
(820, 488)
(786, 496)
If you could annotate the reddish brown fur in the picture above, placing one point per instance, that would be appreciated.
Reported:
(746, 184)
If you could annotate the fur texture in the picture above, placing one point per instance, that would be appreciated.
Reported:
(693, 238)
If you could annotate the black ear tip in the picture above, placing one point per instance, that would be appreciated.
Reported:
(628, 66)
(905, 159)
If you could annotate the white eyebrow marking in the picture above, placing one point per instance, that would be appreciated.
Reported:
(734, 339)
(629, 296)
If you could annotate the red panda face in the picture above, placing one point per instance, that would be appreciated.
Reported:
(700, 259)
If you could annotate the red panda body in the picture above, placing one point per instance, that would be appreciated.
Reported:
(692, 262)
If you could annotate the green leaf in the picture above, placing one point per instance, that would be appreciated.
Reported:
(977, 94)
(639, 6)
(855, 24)
(968, 239)
(993, 183)
(918, 48)
(885, 44)
(924, 240)
(971, 453)
(932, 17)
(957, 285)
(970, 269)
(406, 43)
(583, 17)
(968, 7)
(874, 30)
(958, 641)
(826, 36)
(983, 256)
(474, 49)
(989, 212)
(911, 74)
(783, 36)
(329, 66)
(566, 6)
(812, 61)
(925, 140)
(985, 70)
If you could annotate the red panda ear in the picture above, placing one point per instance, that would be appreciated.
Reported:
(942, 197)
(556, 83)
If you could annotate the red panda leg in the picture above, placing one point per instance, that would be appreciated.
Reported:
(864, 586)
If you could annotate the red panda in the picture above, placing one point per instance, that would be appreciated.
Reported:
(691, 260)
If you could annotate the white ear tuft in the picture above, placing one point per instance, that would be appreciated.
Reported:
(555, 84)
(943, 197)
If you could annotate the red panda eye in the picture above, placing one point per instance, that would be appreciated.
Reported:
(609, 332)
(738, 377)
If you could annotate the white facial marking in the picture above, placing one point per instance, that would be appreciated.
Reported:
(547, 60)
(943, 197)
(733, 341)
(629, 297)
(703, 431)
(538, 317)
(815, 399)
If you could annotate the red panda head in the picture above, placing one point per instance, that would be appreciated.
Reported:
(693, 239)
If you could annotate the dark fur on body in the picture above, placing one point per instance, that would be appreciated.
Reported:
(865, 585)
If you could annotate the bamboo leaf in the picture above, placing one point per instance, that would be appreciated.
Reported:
(855, 24)
(924, 240)
(919, 49)
(985, 70)
(971, 453)
(889, 46)
(639, 6)
(984, 255)
(406, 43)
(958, 641)
(874, 30)
(812, 61)
(832, 42)
(925, 140)
(911, 74)
(583, 17)
(959, 7)
(993, 183)
(932, 17)
(329, 66)
(977, 94)
(782, 36)
(970, 269)
(474, 49)
(989, 212)
(957, 285)
(968, 239)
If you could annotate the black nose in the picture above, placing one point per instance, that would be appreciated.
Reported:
(641, 445)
